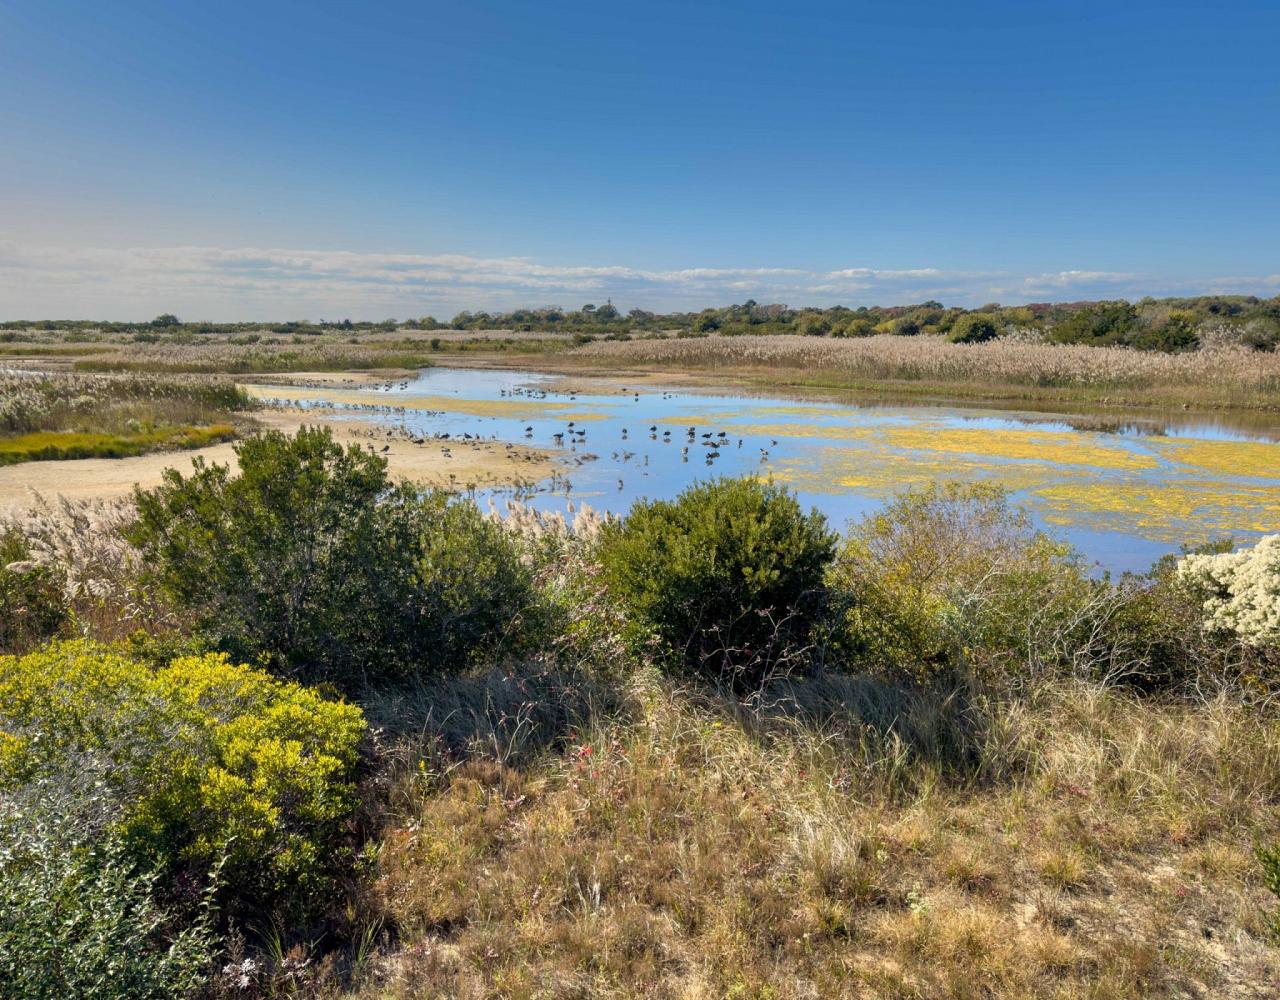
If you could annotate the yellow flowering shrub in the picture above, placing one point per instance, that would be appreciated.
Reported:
(209, 759)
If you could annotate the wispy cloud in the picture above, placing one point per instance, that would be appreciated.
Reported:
(216, 283)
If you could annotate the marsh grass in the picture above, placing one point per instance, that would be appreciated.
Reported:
(1228, 376)
(1081, 843)
(60, 415)
(55, 445)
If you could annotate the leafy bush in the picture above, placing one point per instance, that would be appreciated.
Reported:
(973, 328)
(728, 575)
(32, 602)
(78, 918)
(210, 759)
(951, 577)
(471, 592)
(1097, 324)
(311, 556)
(1163, 622)
(1180, 332)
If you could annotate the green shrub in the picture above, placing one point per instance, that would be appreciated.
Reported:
(33, 605)
(952, 578)
(78, 918)
(728, 575)
(1099, 323)
(313, 557)
(211, 760)
(973, 328)
(1180, 332)
(472, 596)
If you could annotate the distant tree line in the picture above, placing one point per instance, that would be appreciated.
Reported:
(1171, 324)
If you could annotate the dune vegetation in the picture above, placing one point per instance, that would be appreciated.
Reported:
(300, 731)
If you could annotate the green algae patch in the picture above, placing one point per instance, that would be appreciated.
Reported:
(1256, 459)
(1042, 446)
(830, 432)
(880, 473)
(1167, 511)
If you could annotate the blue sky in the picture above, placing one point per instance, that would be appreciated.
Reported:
(238, 160)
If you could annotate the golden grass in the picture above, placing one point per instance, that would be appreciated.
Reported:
(1094, 845)
(1225, 377)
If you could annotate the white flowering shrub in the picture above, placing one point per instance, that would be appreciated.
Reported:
(1240, 590)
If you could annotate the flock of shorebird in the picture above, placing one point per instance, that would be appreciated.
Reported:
(712, 443)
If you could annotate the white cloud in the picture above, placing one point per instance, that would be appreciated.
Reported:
(243, 283)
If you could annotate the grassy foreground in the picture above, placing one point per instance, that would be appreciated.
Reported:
(1091, 844)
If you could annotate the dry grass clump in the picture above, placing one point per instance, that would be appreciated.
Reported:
(931, 360)
(82, 541)
(1102, 846)
(111, 404)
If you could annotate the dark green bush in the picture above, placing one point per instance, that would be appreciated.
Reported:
(1100, 323)
(1180, 332)
(471, 596)
(313, 557)
(973, 328)
(728, 575)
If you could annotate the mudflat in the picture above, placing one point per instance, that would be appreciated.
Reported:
(433, 463)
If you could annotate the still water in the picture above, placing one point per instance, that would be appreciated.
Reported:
(1122, 494)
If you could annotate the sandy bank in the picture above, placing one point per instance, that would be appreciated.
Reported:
(476, 463)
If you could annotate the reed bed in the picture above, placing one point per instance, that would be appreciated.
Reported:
(1225, 370)
(239, 359)
(63, 401)
(62, 415)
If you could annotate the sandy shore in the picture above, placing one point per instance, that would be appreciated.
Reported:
(477, 463)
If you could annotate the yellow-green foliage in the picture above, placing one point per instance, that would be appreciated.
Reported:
(953, 574)
(210, 758)
(55, 445)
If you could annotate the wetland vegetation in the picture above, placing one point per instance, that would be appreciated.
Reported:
(297, 730)
(293, 728)
(1210, 351)
(47, 415)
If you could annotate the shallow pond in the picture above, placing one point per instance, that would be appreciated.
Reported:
(1122, 494)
